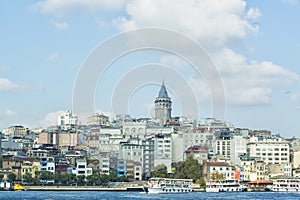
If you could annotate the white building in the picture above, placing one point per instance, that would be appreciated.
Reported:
(163, 151)
(131, 152)
(104, 161)
(82, 169)
(218, 167)
(200, 137)
(238, 146)
(134, 129)
(67, 120)
(271, 151)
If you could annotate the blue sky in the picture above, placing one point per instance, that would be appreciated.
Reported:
(254, 44)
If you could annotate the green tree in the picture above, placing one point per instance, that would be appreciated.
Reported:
(81, 179)
(93, 179)
(189, 169)
(57, 178)
(104, 179)
(46, 176)
(1, 159)
(11, 177)
(27, 177)
(123, 179)
(160, 171)
(1, 177)
(201, 181)
(112, 176)
(37, 175)
(64, 178)
(216, 176)
(72, 178)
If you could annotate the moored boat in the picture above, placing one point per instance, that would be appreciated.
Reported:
(224, 186)
(285, 185)
(18, 187)
(166, 185)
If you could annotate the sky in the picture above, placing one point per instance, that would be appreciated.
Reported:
(254, 45)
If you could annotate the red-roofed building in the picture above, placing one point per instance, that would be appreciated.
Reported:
(198, 152)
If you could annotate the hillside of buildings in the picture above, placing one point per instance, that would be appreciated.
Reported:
(126, 149)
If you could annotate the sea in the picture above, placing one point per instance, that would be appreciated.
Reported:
(91, 195)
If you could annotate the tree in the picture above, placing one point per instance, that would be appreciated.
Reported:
(1, 159)
(27, 177)
(112, 176)
(104, 179)
(123, 179)
(57, 178)
(201, 181)
(93, 179)
(81, 179)
(46, 176)
(216, 176)
(160, 171)
(11, 177)
(1, 177)
(188, 169)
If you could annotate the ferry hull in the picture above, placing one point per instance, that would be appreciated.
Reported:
(166, 190)
(237, 189)
(280, 189)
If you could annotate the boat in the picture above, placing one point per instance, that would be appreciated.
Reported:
(285, 185)
(259, 185)
(167, 185)
(18, 187)
(224, 186)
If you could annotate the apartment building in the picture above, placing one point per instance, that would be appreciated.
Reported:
(163, 150)
(82, 169)
(270, 150)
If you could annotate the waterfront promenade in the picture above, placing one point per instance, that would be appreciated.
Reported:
(82, 188)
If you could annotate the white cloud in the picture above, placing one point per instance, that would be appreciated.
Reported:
(10, 113)
(250, 82)
(212, 22)
(253, 13)
(290, 2)
(7, 85)
(52, 57)
(3, 67)
(245, 82)
(60, 25)
(51, 118)
(61, 8)
(294, 97)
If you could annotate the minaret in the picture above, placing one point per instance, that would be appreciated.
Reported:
(163, 106)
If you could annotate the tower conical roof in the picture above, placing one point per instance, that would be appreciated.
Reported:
(163, 91)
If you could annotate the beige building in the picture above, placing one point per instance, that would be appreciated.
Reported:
(254, 170)
(98, 120)
(46, 137)
(31, 167)
(16, 131)
(296, 159)
(67, 139)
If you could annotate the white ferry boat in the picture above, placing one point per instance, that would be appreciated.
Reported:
(285, 185)
(224, 186)
(166, 185)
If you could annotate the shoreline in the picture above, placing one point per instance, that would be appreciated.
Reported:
(82, 188)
